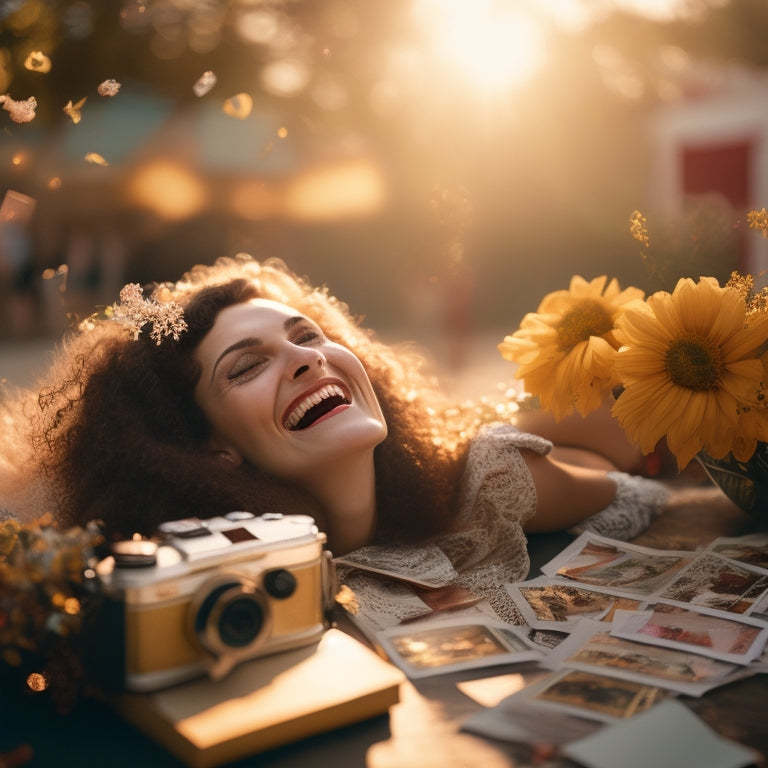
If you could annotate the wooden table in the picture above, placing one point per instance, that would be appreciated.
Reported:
(423, 730)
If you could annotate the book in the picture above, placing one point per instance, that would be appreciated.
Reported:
(267, 702)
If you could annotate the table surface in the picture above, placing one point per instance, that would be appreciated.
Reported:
(424, 728)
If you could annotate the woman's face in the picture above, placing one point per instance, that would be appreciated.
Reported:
(281, 396)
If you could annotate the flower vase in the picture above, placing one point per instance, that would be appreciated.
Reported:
(745, 483)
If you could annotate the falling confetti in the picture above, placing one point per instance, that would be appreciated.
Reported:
(38, 62)
(108, 88)
(238, 106)
(204, 84)
(20, 111)
(95, 159)
(73, 110)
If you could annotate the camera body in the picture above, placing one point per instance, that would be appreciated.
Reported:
(209, 594)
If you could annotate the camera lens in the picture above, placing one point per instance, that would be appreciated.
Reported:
(240, 621)
(232, 614)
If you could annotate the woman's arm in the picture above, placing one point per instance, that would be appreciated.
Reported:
(595, 440)
(566, 493)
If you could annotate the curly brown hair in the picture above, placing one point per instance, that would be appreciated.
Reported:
(124, 441)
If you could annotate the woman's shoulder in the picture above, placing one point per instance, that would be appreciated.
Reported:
(500, 436)
(496, 476)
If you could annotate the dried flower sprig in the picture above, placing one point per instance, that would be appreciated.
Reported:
(45, 602)
(135, 311)
(758, 220)
(757, 301)
(20, 111)
(638, 228)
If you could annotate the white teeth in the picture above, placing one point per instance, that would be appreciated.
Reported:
(330, 390)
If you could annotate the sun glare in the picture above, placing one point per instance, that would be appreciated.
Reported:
(491, 45)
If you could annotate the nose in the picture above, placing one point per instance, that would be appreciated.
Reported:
(308, 359)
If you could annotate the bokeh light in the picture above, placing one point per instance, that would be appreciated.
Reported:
(333, 192)
(168, 189)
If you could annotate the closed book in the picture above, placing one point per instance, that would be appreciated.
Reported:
(267, 702)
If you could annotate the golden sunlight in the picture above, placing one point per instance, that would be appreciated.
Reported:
(492, 45)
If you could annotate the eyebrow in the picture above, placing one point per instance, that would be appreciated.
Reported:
(253, 341)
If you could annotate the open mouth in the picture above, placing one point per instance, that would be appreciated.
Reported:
(315, 406)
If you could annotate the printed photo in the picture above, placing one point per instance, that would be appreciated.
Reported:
(622, 568)
(426, 566)
(598, 696)
(439, 646)
(737, 641)
(592, 648)
(751, 549)
(712, 581)
(547, 603)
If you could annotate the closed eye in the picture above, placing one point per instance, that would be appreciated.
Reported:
(246, 364)
(308, 337)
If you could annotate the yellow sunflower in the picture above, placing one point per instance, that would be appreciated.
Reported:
(565, 350)
(691, 369)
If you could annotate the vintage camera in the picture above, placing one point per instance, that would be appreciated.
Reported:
(206, 595)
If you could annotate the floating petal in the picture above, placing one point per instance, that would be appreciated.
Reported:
(238, 106)
(108, 88)
(38, 62)
(73, 110)
(204, 84)
(95, 159)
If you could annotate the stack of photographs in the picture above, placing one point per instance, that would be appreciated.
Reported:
(614, 627)
(667, 622)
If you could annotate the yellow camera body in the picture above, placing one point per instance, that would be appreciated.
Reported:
(213, 593)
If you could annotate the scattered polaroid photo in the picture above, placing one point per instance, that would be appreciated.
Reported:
(716, 582)
(751, 549)
(424, 566)
(592, 648)
(738, 641)
(546, 603)
(625, 569)
(381, 603)
(516, 719)
(666, 736)
(590, 695)
(438, 646)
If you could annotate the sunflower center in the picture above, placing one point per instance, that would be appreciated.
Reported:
(588, 318)
(694, 362)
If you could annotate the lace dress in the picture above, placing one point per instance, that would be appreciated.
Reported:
(486, 549)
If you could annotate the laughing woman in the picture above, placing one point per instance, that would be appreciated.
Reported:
(243, 387)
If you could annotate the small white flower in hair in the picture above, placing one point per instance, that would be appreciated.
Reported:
(135, 311)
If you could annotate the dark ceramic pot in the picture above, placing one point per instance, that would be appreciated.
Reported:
(743, 482)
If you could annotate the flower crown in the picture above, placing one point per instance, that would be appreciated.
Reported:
(134, 311)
